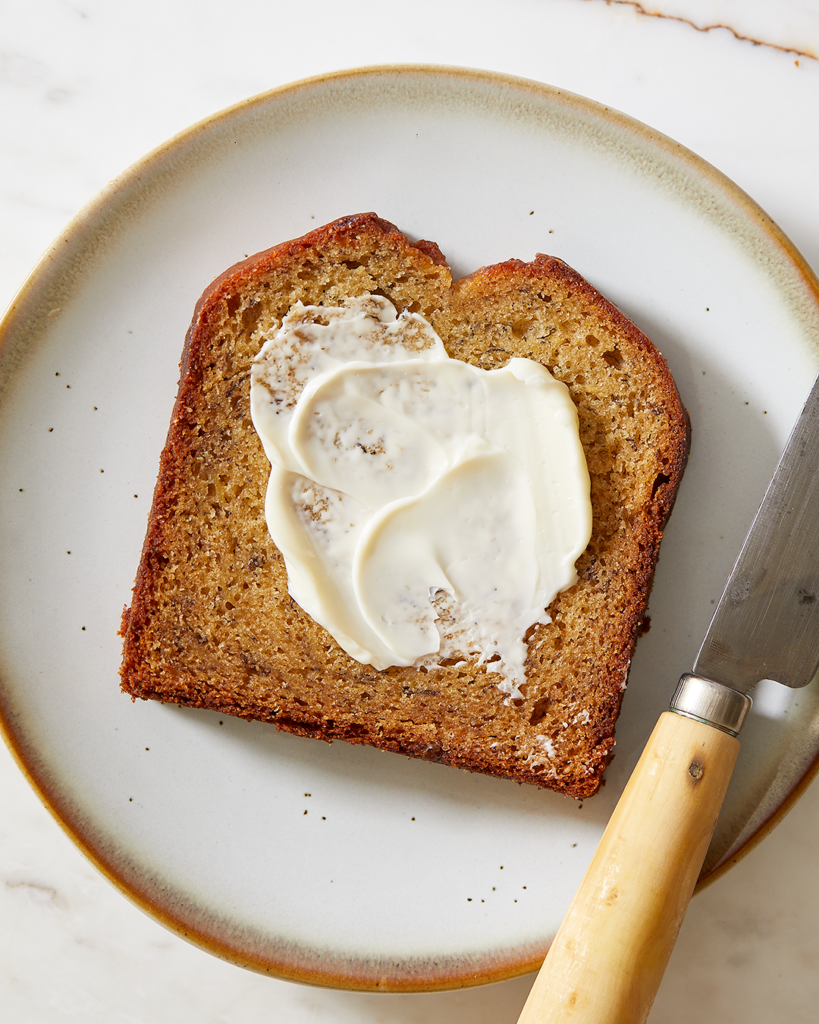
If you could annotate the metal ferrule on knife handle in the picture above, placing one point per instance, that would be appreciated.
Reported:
(608, 958)
(712, 703)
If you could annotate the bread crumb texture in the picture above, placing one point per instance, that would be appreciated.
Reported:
(211, 623)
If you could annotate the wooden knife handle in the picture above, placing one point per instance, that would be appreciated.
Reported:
(609, 956)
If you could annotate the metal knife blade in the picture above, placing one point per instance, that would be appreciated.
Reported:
(766, 625)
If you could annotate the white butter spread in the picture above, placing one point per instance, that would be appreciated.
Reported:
(426, 509)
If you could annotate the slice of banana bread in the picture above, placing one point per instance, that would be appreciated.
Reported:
(211, 622)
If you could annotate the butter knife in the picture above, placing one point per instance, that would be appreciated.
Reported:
(608, 958)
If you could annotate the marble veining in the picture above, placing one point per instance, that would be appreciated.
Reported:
(793, 28)
(85, 89)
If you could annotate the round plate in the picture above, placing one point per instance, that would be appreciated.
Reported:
(326, 863)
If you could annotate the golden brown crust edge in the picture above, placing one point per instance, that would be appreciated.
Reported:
(172, 459)
(646, 533)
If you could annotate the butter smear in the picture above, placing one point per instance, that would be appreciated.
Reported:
(426, 509)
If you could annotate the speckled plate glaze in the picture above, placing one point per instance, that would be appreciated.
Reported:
(325, 863)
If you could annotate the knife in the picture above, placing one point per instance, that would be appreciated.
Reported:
(608, 958)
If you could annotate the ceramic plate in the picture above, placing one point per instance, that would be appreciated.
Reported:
(326, 863)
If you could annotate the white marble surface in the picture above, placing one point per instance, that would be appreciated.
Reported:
(86, 88)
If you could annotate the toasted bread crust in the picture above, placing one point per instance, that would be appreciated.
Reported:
(211, 623)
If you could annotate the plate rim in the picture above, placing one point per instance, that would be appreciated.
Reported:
(356, 973)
